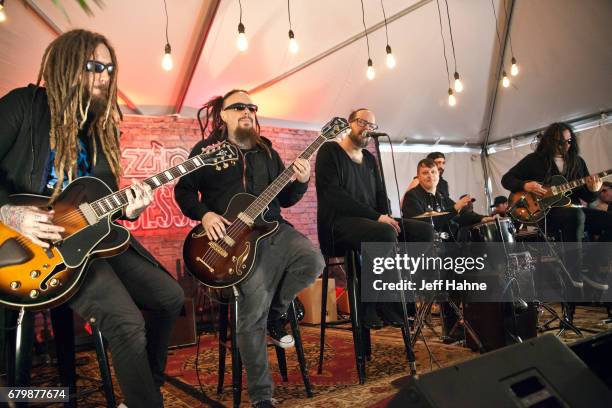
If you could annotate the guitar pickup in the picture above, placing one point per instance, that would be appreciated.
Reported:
(217, 248)
(88, 213)
(246, 219)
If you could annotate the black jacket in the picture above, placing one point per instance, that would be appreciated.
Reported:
(536, 167)
(333, 199)
(417, 201)
(253, 173)
(25, 122)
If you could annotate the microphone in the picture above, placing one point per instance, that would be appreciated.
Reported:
(375, 135)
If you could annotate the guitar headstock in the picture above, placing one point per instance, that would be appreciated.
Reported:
(334, 127)
(220, 155)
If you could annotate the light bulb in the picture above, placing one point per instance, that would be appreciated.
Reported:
(2, 15)
(167, 63)
(241, 42)
(458, 83)
(293, 44)
(514, 70)
(390, 58)
(370, 73)
(452, 101)
(505, 80)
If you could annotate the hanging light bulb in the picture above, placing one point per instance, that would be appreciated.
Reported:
(241, 42)
(167, 63)
(505, 80)
(370, 73)
(458, 83)
(2, 13)
(390, 58)
(293, 44)
(452, 101)
(514, 70)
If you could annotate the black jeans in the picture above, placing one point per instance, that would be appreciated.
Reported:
(573, 222)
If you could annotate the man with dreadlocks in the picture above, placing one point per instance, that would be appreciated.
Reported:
(557, 153)
(287, 262)
(67, 129)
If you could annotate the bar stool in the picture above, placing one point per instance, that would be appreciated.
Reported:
(232, 322)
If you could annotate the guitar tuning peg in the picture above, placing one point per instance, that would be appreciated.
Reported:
(225, 165)
(218, 168)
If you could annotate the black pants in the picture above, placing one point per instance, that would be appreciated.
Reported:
(573, 222)
(113, 292)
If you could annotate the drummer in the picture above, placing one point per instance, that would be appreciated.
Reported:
(499, 206)
(425, 198)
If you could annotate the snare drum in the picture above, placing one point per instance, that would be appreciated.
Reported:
(499, 230)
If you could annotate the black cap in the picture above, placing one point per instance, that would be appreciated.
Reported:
(499, 200)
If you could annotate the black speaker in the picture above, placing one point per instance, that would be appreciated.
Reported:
(596, 353)
(542, 373)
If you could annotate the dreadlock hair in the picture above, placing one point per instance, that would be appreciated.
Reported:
(217, 129)
(549, 144)
(66, 82)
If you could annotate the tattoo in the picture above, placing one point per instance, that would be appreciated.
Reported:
(12, 216)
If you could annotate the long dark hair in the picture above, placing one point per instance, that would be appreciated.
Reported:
(214, 125)
(548, 148)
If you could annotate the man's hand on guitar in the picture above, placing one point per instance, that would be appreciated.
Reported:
(302, 170)
(535, 188)
(214, 225)
(32, 222)
(139, 197)
(594, 183)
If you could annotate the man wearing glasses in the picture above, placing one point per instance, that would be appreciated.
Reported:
(604, 202)
(287, 261)
(352, 205)
(68, 129)
(557, 153)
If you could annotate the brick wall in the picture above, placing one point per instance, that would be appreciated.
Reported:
(151, 144)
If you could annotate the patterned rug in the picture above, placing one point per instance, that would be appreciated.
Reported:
(337, 386)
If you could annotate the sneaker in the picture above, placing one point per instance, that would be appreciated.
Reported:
(574, 277)
(596, 280)
(279, 336)
(263, 404)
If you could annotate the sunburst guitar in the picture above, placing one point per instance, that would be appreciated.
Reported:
(34, 278)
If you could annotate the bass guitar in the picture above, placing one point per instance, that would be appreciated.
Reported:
(228, 261)
(528, 208)
(34, 278)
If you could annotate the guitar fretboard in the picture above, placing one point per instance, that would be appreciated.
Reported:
(562, 188)
(113, 202)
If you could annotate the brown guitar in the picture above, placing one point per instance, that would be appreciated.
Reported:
(528, 208)
(228, 261)
(35, 278)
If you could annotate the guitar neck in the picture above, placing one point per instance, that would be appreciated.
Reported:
(563, 188)
(265, 198)
(118, 200)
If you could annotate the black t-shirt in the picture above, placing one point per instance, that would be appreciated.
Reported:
(361, 182)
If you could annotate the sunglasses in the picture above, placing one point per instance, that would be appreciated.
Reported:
(365, 123)
(239, 107)
(99, 67)
(566, 141)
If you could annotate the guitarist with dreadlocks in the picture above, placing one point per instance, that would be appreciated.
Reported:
(287, 261)
(557, 153)
(54, 134)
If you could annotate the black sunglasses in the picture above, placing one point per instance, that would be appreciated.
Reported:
(566, 141)
(242, 106)
(99, 67)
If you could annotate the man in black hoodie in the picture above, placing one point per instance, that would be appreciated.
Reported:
(558, 154)
(286, 263)
(66, 130)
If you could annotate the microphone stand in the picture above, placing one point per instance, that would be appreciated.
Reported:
(406, 329)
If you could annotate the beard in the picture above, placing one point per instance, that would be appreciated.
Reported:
(97, 103)
(359, 140)
(248, 136)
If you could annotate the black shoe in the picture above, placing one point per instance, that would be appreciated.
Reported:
(392, 314)
(263, 404)
(598, 280)
(370, 318)
(279, 336)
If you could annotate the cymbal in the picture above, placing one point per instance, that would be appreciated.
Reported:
(428, 214)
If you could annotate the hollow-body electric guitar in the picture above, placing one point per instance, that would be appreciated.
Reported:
(228, 261)
(528, 208)
(34, 278)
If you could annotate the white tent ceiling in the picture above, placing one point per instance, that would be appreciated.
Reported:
(564, 49)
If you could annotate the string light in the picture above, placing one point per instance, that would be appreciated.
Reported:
(293, 44)
(452, 100)
(505, 80)
(241, 42)
(370, 72)
(514, 70)
(167, 63)
(2, 12)
(390, 58)
(458, 84)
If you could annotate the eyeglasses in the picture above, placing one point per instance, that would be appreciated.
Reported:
(240, 107)
(99, 67)
(365, 123)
